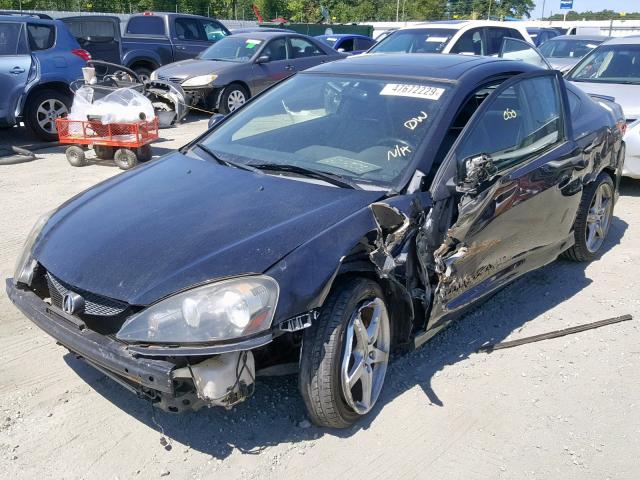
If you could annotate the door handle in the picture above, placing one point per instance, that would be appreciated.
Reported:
(180, 47)
(289, 67)
(16, 70)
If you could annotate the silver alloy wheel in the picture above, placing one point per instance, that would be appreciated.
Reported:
(235, 100)
(366, 355)
(599, 217)
(47, 113)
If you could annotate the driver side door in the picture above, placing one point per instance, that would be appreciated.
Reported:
(516, 193)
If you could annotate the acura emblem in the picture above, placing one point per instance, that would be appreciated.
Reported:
(72, 303)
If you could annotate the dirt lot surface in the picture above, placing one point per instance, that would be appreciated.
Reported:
(567, 408)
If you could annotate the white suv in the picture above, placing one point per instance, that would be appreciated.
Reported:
(466, 37)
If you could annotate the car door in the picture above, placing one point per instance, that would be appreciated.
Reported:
(188, 38)
(305, 53)
(515, 49)
(15, 64)
(99, 35)
(277, 66)
(516, 192)
(213, 31)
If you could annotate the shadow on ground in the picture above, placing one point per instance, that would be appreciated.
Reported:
(272, 415)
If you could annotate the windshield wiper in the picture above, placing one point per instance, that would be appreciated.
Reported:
(307, 172)
(227, 163)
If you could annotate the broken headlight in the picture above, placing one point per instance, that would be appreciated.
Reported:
(219, 311)
(26, 264)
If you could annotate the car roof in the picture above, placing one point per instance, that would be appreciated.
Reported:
(446, 67)
(458, 24)
(343, 35)
(539, 29)
(25, 18)
(631, 40)
(266, 35)
(594, 38)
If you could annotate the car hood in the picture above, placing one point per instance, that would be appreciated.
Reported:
(194, 67)
(182, 221)
(627, 96)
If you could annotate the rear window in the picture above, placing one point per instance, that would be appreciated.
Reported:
(41, 37)
(91, 28)
(9, 38)
(146, 25)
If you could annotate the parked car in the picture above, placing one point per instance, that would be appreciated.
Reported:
(38, 60)
(348, 43)
(539, 35)
(564, 51)
(148, 40)
(238, 67)
(349, 212)
(467, 37)
(613, 70)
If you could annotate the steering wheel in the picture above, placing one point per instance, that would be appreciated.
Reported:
(118, 70)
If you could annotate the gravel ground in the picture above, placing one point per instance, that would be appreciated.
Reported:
(566, 408)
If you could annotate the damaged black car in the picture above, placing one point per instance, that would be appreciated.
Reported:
(347, 214)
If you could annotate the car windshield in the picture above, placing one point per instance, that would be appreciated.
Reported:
(9, 38)
(363, 130)
(610, 64)
(424, 40)
(331, 41)
(568, 48)
(232, 49)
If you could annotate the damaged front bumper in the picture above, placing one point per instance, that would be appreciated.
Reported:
(208, 376)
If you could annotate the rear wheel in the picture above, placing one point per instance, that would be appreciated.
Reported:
(233, 97)
(143, 73)
(144, 153)
(593, 220)
(75, 156)
(345, 355)
(42, 109)
(125, 158)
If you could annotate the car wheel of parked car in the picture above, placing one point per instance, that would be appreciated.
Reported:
(125, 158)
(233, 97)
(345, 355)
(75, 156)
(593, 220)
(103, 152)
(41, 112)
(143, 73)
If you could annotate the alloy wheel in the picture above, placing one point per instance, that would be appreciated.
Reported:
(599, 217)
(47, 113)
(235, 100)
(366, 355)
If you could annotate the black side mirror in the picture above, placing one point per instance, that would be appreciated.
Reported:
(263, 59)
(215, 119)
(474, 171)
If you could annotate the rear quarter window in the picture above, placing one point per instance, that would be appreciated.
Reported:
(41, 37)
(146, 25)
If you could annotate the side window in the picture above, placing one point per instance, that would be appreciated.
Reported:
(188, 29)
(364, 43)
(146, 25)
(11, 39)
(41, 37)
(470, 42)
(513, 33)
(276, 49)
(213, 30)
(494, 38)
(303, 48)
(347, 45)
(528, 117)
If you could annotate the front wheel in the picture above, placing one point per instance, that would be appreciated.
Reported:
(593, 220)
(345, 354)
(233, 97)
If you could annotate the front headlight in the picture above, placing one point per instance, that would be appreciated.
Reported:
(26, 264)
(219, 311)
(201, 81)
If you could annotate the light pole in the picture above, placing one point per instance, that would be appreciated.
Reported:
(397, 10)
(543, 4)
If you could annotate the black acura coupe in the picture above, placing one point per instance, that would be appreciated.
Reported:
(347, 213)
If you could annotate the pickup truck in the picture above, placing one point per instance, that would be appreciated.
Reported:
(145, 41)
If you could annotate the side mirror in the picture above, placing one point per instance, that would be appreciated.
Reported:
(263, 59)
(475, 170)
(215, 119)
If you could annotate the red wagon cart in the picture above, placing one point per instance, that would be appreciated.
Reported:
(125, 143)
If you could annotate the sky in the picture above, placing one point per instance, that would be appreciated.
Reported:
(584, 5)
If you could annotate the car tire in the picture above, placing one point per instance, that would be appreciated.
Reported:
(125, 158)
(75, 156)
(42, 108)
(330, 348)
(144, 153)
(233, 97)
(143, 73)
(593, 220)
(103, 152)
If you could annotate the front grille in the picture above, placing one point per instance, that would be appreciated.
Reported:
(95, 305)
(171, 79)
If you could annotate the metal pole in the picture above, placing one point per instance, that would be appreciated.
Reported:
(489, 12)
(397, 10)
(543, 4)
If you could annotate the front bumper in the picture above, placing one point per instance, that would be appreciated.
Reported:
(106, 354)
(631, 166)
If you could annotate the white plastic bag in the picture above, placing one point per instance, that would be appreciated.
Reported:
(120, 106)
